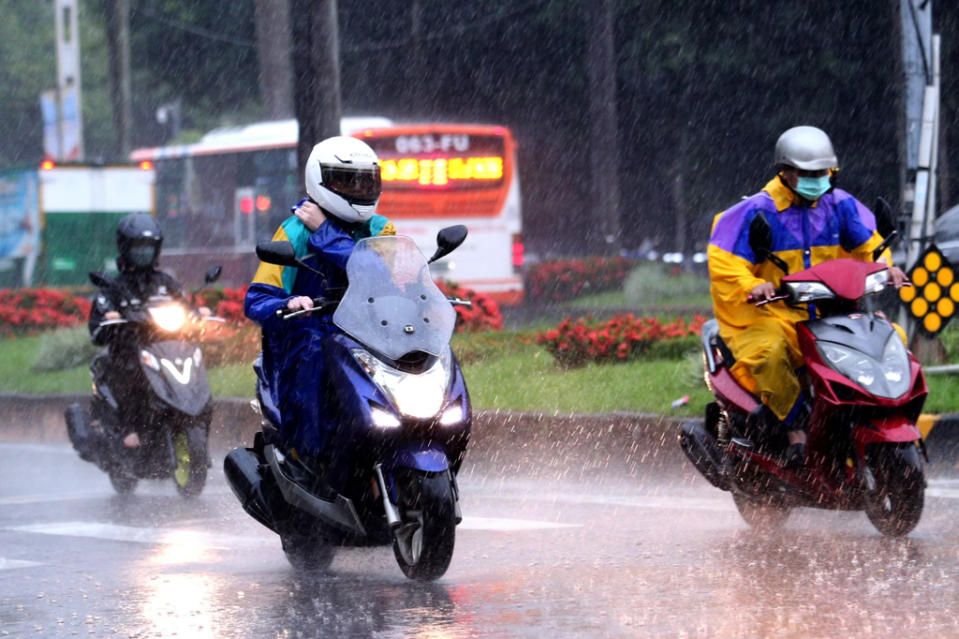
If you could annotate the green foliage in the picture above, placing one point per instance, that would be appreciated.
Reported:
(654, 284)
(63, 349)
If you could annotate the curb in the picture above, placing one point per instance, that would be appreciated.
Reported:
(545, 446)
(558, 445)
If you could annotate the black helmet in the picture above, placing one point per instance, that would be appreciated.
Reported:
(138, 241)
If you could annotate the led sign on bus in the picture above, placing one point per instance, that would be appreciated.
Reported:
(440, 160)
(441, 171)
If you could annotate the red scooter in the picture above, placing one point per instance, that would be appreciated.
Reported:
(864, 450)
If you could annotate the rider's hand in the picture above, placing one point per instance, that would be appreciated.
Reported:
(310, 214)
(111, 315)
(300, 303)
(761, 292)
(897, 277)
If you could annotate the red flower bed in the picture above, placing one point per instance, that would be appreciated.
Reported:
(566, 279)
(224, 302)
(484, 315)
(30, 310)
(624, 337)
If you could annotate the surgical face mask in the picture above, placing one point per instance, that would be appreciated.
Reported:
(812, 188)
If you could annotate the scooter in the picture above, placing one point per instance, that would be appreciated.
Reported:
(174, 410)
(864, 449)
(403, 418)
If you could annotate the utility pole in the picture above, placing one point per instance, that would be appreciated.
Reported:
(118, 43)
(68, 95)
(603, 124)
(316, 70)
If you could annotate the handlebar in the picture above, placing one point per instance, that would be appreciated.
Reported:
(455, 301)
(319, 304)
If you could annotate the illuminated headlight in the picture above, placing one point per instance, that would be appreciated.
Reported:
(149, 359)
(877, 281)
(383, 419)
(809, 291)
(889, 378)
(417, 395)
(169, 317)
(452, 415)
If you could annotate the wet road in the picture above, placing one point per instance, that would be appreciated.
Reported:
(614, 556)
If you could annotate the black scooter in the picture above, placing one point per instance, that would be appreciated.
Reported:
(174, 409)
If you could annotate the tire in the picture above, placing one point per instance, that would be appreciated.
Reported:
(423, 543)
(308, 552)
(192, 460)
(895, 506)
(122, 483)
(761, 514)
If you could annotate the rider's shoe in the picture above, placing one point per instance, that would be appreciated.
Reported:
(795, 456)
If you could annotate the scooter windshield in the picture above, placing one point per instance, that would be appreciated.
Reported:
(391, 304)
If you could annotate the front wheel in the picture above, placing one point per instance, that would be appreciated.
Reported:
(423, 542)
(122, 482)
(761, 512)
(190, 449)
(308, 552)
(894, 504)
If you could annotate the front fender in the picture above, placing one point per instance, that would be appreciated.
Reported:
(430, 459)
(892, 429)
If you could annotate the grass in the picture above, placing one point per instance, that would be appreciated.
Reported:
(505, 371)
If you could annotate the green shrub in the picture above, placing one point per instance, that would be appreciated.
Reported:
(63, 349)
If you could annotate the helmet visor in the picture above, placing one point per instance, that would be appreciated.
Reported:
(143, 253)
(356, 186)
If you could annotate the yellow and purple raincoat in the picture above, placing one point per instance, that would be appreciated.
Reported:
(763, 339)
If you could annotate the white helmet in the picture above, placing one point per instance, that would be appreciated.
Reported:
(806, 148)
(343, 177)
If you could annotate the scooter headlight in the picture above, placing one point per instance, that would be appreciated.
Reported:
(149, 359)
(895, 366)
(888, 378)
(169, 317)
(417, 395)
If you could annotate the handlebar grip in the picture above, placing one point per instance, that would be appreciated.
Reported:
(318, 305)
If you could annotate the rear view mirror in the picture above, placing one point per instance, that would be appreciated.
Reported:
(448, 240)
(760, 237)
(885, 225)
(212, 274)
(761, 242)
(281, 253)
(885, 219)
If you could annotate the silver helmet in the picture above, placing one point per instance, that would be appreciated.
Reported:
(806, 148)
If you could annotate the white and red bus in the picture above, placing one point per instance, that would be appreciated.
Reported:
(217, 197)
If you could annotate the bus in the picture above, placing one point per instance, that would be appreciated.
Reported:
(216, 198)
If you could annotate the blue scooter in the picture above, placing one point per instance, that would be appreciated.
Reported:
(402, 411)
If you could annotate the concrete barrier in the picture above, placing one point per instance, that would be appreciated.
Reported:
(531, 444)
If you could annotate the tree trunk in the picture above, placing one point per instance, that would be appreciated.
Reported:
(316, 69)
(273, 53)
(118, 43)
(603, 142)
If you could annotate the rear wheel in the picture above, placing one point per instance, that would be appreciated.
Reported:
(894, 505)
(423, 543)
(190, 449)
(760, 512)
